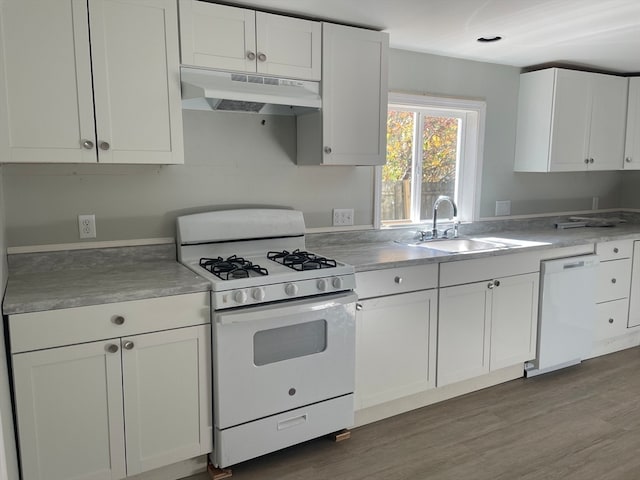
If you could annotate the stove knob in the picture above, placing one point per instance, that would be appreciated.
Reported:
(291, 289)
(258, 294)
(322, 284)
(240, 296)
(336, 282)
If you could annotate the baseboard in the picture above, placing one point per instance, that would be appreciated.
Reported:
(175, 471)
(435, 395)
(615, 344)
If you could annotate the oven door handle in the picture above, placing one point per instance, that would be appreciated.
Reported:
(297, 307)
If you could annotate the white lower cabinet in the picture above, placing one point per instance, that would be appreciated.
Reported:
(117, 407)
(395, 347)
(611, 319)
(395, 333)
(166, 383)
(484, 326)
(69, 411)
(634, 296)
(613, 287)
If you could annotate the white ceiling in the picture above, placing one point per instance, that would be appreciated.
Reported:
(599, 34)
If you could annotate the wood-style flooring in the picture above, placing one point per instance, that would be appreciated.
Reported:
(581, 423)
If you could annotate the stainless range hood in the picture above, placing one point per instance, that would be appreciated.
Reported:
(243, 92)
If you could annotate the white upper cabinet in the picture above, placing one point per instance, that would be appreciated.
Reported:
(61, 57)
(632, 146)
(351, 129)
(230, 38)
(570, 121)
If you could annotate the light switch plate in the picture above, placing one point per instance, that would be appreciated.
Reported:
(503, 207)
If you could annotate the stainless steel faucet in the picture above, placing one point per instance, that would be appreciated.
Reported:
(439, 200)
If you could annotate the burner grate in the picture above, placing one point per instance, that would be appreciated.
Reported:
(232, 267)
(301, 260)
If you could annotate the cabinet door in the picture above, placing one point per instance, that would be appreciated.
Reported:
(611, 319)
(395, 347)
(217, 36)
(167, 397)
(514, 320)
(46, 101)
(134, 47)
(289, 47)
(463, 342)
(613, 280)
(354, 96)
(571, 121)
(608, 118)
(634, 297)
(632, 144)
(69, 410)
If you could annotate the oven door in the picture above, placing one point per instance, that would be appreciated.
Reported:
(273, 358)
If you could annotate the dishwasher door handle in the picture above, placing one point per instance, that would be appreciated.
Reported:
(573, 265)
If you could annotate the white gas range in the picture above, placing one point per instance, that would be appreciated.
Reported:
(283, 330)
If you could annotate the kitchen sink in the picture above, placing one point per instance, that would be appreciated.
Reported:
(472, 245)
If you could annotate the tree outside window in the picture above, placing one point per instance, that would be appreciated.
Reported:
(422, 160)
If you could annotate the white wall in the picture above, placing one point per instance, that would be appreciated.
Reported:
(8, 460)
(498, 86)
(630, 192)
(232, 159)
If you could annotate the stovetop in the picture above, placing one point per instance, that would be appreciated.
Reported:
(240, 280)
(250, 270)
(255, 256)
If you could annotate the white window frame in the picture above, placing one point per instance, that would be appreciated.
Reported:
(471, 147)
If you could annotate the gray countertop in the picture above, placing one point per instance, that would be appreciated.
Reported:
(78, 278)
(371, 255)
(48, 281)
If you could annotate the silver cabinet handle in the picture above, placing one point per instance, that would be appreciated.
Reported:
(628, 159)
(613, 280)
(88, 144)
(327, 149)
(128, 345)
(118, 320)
(615, 250)
(112, 348)
(586, 160)
(262, 57)
(496, 283)
(611, 320)
(490, 285)
(251, 55)
(104, 146)
(398, 280)
(591, 160)
(359, 306)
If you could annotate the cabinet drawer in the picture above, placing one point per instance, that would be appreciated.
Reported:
(611, 319)
(53, 328)
(614, 250)
(282, 430)
(377, 283)
(614, 278)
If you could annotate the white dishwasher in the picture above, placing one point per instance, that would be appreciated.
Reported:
(567, 313)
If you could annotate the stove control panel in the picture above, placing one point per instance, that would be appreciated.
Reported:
(281, 291)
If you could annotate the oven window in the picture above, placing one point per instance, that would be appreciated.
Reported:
(284, 343)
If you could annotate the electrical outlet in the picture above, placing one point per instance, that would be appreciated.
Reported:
(342, 217)
(503, 207)
(87, 226)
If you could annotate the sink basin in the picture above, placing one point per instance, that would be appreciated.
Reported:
(471, 245)
(462, 245)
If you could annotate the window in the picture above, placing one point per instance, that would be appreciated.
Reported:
(434, 147)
